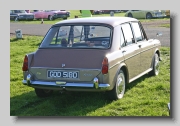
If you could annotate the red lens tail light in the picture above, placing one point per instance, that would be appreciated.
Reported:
(25, 64)
(105, 66)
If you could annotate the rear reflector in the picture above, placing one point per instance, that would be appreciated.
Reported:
(105, 66)
(25, 64)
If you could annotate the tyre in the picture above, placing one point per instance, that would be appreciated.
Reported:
(119, 88)
(130, 15)
(148, 16)
(156, 66)
(50, 17)
(43, 92)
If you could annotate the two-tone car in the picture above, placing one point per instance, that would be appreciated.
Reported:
(96, 54)
(51, 14)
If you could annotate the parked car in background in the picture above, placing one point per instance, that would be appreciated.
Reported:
(109, 11)
(97, 11)
(167, 13)
(146, 14)
(20, 15)
(51, 14)
(97, 54)
(124, 10)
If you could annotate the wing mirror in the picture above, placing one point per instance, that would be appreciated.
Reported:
(158, 34)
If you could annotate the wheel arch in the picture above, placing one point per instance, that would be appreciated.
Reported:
(122, 67)
(148, 13)
(156, 51)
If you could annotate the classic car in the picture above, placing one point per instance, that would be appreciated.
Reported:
(96, 54)
(20, 15)
(146, 14)
(51, 14)
(109, 11)
(97, 11)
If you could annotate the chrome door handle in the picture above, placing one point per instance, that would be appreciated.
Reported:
(123, 51)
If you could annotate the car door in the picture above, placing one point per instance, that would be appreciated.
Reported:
(135, 13)
(46, 13)
(39, 14)
(145, 46)
(130, 50)
(138, 14)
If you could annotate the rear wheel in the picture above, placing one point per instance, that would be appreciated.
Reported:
(148, 16)
(130, 15)
(156, 65)
(43, 92)
(50, 17)
(119, 89)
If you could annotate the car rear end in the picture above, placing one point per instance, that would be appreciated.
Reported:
(79, 64)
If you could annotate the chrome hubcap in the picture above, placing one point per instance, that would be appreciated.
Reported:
(120, 85)
(156, 65)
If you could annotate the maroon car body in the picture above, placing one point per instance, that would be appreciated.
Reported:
(91, 54)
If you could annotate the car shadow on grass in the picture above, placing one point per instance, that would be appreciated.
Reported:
(134, 83)
(59, 104)
(15, 39)
(62, 103)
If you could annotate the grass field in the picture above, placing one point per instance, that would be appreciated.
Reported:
(147, 96)
(77, 13)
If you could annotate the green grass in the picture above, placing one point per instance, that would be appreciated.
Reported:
(165, 25)
(147, 96)
(77, 13)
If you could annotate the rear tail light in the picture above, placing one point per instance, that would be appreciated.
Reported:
(105, 66)
(25, 64)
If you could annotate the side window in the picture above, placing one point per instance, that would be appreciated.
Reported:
(122, 43)
(128, 35)
(137, 31)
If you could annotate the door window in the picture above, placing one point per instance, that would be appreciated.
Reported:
(137, 31)
(127, 32)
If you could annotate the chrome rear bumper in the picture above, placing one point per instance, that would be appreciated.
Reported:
(67, 86)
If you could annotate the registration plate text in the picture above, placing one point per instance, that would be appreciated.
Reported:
(62, 74)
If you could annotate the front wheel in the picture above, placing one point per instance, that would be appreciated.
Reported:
(119, 88)
(43, 92)
(156, 66)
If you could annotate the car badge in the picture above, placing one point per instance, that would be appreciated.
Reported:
(38, 73)
(60, 82)
(63, 65)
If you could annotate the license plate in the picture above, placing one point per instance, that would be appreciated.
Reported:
(62, 74)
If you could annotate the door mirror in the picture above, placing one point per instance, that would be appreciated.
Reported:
(158, 34)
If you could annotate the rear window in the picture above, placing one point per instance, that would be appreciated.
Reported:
(78, 36)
